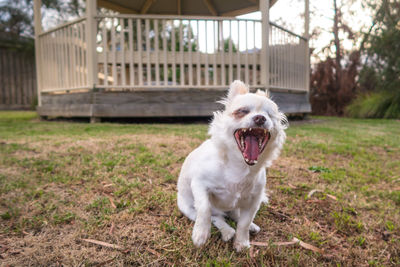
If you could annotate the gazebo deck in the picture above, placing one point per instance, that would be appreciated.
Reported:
(153, 103)
(161, 65)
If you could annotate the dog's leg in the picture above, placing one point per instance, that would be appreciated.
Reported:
(243, 226)
(227, 232)
(202, 225)
(254, 228)
(235, 214)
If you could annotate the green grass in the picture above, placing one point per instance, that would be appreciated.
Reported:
(64, 181)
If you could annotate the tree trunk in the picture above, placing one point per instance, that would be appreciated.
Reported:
(338, 73)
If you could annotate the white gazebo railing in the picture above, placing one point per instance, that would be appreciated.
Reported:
(170, 52)
(137, 52)
(64, 57)
(287, 59)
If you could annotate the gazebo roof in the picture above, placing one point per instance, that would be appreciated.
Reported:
(227, 8)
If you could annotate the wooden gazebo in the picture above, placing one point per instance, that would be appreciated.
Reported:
(148, 58)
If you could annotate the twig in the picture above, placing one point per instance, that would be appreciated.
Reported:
(152, 251)
(331, 234)
(111, 201)
(308, 246)
(254, 252)
(293, 242)
(312, 192)
(112, 228)
(288, 243)
(158, 214)
(279, 214)
(104, 244)
(264, 244)
(331, 196)
(314, 201)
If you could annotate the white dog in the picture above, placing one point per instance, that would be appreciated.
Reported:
(226, 175)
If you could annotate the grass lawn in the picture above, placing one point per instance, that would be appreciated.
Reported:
(62, 182)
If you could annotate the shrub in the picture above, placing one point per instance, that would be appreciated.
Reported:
(375, 105)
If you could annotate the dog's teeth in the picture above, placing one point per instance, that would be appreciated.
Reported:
(255, 162)
(259, 143)
(265, 131)
(241, 141)
(244, 130)
(250, 129)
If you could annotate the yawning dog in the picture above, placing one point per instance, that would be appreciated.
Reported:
(226, 175)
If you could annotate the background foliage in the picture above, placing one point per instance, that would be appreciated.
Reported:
(380, 77)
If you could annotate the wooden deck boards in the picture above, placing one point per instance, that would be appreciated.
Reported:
(180, 103)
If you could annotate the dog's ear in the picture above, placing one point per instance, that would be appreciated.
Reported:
(263, 93)
(237, 88)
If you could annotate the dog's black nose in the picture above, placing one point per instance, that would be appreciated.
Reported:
(259, 120)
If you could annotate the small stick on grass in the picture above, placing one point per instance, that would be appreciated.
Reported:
(264, 244)
(152, 251)
(103, 244)
(293, 242)
(111, 201)
(112, 228)
(331, 196)
(279, 214)
(312, 192)
(307, 246)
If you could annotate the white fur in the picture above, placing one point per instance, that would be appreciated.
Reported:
(215, 181)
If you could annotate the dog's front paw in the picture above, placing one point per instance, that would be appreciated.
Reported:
(227, 233)
(254, 228)
(200, 235)
(240, 245)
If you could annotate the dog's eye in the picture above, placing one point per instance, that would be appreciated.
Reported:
(241, 112)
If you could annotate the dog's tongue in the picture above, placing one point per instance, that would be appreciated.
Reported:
(251, 151)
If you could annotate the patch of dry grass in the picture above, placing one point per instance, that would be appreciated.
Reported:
(61, 183)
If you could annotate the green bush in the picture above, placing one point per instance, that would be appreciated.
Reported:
(380, 73)
(375, 105)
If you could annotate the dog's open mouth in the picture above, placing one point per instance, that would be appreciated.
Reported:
(251, 142)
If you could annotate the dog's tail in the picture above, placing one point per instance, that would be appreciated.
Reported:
(186, 208)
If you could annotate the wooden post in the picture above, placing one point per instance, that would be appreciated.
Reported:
(264, 60)
(37, 4)
(307, 36)
(91, 52)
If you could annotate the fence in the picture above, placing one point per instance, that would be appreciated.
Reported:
(17, 80)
